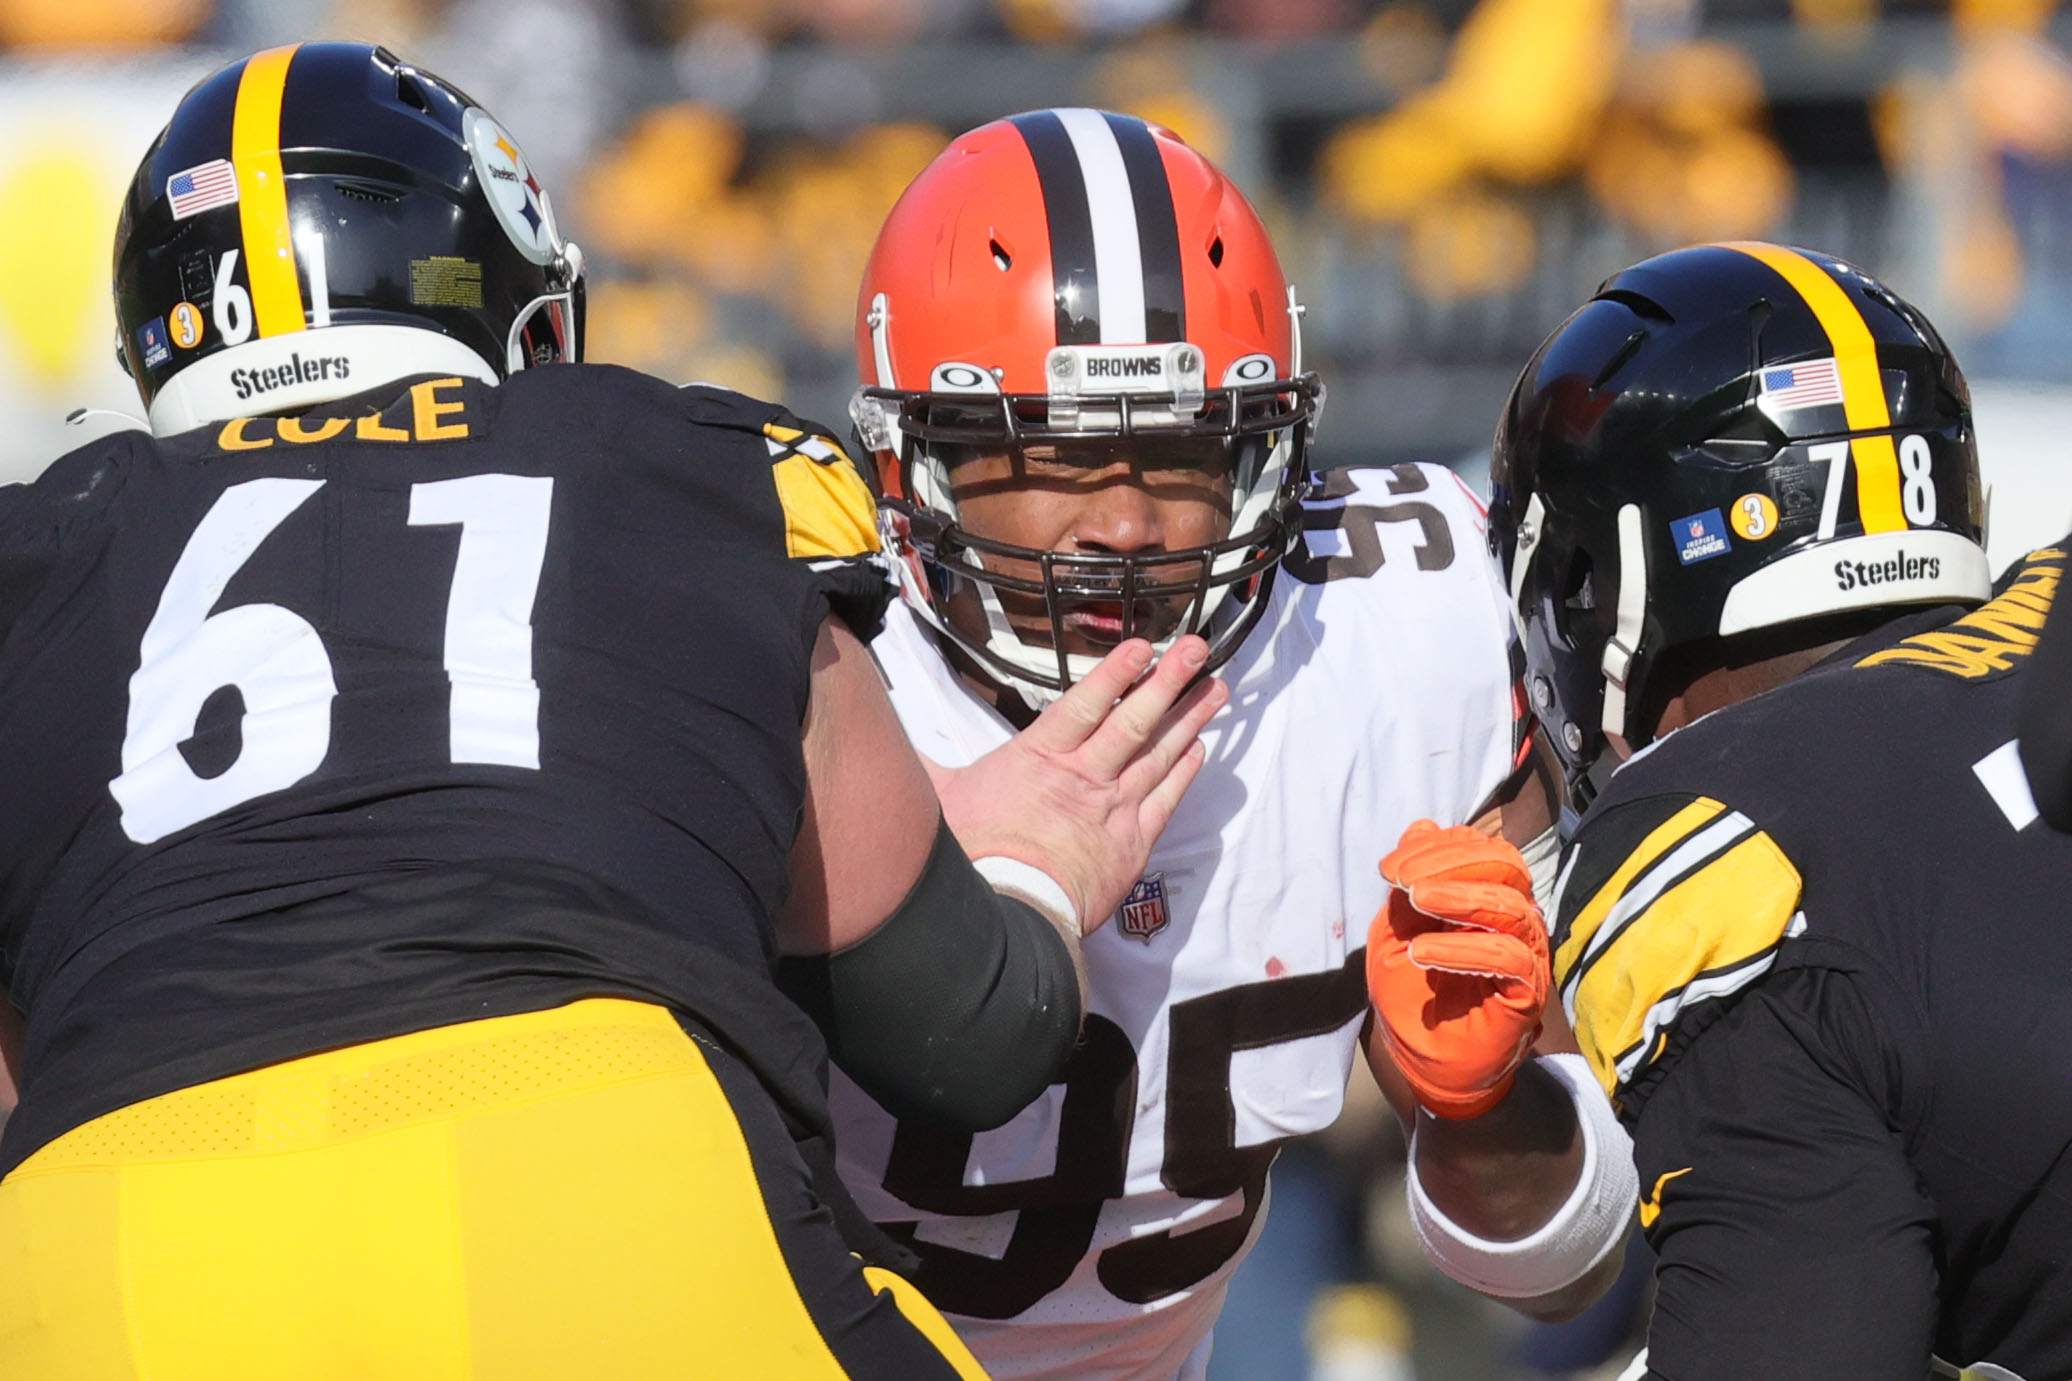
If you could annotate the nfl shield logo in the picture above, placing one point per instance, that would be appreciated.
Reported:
(1697, 527)
(1144, 911)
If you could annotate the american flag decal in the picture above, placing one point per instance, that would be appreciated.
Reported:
(1807, 384)
(1144, 911)
(202, 188)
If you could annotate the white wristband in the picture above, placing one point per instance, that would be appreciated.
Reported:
(1582, 1232)
(1543, 861)
(1029, 883)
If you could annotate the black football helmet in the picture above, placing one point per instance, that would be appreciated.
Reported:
(1723, 440)
(321, 218)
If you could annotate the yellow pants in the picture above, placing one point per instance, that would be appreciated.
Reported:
(571, 1194)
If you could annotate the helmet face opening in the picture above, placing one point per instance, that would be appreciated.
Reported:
(1034, 617)
(1059, 608)
(1066, 287)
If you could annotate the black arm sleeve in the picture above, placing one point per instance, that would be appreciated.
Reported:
(1794, 1238)
(958, 1010)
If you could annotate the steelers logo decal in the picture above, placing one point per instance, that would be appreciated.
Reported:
(1754, 516)
(514, 193)
(184, 321)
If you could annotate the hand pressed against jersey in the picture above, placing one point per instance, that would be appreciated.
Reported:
(1133, 498)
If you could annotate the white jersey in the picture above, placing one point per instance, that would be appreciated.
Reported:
(1094, 1235)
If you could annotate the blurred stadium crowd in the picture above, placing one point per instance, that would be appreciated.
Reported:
(1445, 179)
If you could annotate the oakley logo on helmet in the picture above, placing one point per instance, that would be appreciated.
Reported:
(963, 378)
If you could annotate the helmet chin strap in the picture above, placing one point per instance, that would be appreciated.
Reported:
(1633, 608)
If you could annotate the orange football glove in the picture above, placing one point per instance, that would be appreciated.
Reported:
(1457, 966)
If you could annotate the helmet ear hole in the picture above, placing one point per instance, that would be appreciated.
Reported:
(1002, 260)
(1216, 252)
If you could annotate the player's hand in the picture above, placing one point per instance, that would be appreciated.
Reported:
(1086, 789)
(1457, 966)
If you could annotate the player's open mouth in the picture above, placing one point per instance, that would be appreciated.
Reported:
(1102, 622)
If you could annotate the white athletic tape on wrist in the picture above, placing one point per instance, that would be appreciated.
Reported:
(1543, 860)
(1582, 1232)
(1029, 883)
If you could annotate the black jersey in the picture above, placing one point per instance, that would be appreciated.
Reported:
(1816, 946)
(442, 702)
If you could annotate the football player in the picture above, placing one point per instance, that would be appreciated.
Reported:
(407, 748)
(1811, 935)
(1085, 394)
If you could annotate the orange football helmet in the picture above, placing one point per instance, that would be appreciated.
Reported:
(1079, 276)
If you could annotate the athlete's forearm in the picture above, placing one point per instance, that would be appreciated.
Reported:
(1531, 1202)
(1504, 1174)
(962, 1006)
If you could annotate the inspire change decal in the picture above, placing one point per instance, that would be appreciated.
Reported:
(1699, 537)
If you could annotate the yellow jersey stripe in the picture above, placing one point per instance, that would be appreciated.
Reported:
(1665, 837)
(916, 1309)
(255, 150)
(1863, 387)
(1734, 910)
(828, 509)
